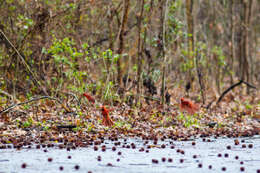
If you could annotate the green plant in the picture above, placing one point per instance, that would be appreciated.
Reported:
(46, 128)
(76, 129)
(187, 63)
(28, 123)
(65, 57)
(188, 120)
(90, 127)
(26, 107)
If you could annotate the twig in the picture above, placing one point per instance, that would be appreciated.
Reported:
(32, 100)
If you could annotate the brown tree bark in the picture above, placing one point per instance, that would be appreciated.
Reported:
(140, 46)
(243, 33)
(120, 40)
(160, 43)
(231, 41)
(165, 18)
(247, 15)
(189, 18)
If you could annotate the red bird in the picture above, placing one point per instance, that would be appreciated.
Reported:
(105, 112)
(90, 98)
(189, 106)
(106, 119)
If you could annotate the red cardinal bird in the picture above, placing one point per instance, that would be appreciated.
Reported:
(105, 112)
(106, 119)
(187, 105)
(90, 99)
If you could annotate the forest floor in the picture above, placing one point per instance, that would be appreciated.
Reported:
(48, 121)
(75, 127)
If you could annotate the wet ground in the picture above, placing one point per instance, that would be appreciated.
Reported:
(135, 155)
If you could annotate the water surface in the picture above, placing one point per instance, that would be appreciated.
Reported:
(134, 161)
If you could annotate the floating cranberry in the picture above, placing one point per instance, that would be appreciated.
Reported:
(155, 161)
(163, 146)
(95, 148)
(163, 159)
(242, 169)
(250, 145)
(23, 165)
(109, 164)
(99, 158)
(76, 167)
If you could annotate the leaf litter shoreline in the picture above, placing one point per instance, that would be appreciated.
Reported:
(49, 123)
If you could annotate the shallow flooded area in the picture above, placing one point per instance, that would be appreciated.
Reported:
(136, 155)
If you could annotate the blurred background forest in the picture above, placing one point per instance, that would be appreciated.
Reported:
(124, 49)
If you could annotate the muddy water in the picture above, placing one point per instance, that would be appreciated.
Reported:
(132, 160)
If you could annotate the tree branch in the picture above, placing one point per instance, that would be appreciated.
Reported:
(32, 100)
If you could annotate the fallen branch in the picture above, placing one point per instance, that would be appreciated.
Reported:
(249, 85)
(32, 100)
(233, 86)
(66, 127)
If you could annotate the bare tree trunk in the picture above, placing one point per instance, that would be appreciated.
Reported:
(247, 15)
(160, 32)
(110, 26)
(189, 18)
(110, 17)
(243, 39)
(231, 42)
(140, 46)
(120, 40)
(150, 36)
(189, 7)
(164, 52)
(239, 39)
(200, 75)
